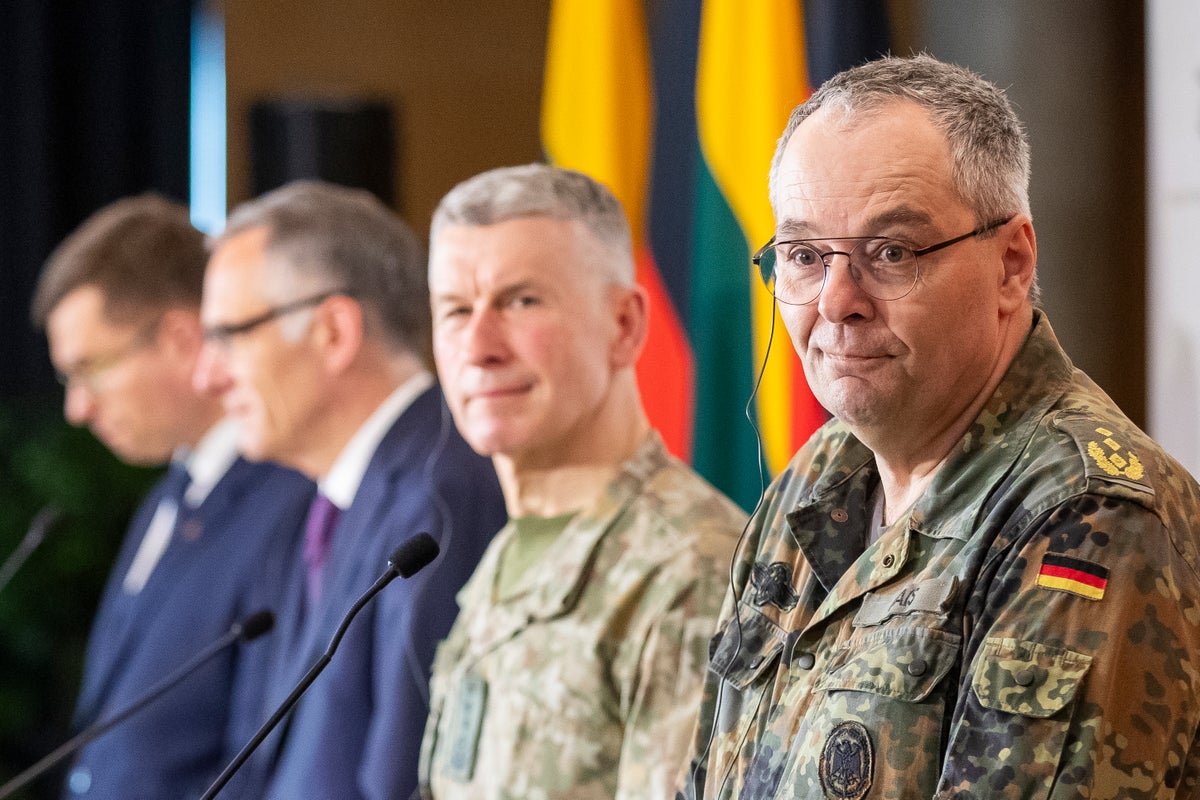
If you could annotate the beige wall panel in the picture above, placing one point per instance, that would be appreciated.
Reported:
(464, 77)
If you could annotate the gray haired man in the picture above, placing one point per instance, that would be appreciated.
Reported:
(574, 668)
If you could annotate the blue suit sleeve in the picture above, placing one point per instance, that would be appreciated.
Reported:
(408, 627)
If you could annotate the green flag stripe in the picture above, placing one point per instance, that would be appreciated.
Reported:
(724, 445)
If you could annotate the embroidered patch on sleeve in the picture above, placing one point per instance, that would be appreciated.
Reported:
(1073, 575)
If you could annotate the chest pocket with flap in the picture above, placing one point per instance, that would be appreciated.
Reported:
(745, 651)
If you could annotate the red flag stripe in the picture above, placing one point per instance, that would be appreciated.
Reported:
(1073, 575)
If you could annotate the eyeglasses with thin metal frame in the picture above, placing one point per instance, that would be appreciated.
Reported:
(90, 372)
(221, 335)
(795, 271)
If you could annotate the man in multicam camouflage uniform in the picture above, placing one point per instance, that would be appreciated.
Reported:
(980, 578)
(575, 666)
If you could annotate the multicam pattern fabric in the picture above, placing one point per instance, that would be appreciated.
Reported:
(586, 685)
(933, 663)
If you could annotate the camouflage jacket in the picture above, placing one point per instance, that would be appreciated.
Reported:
(1029, 629)
(586, 684)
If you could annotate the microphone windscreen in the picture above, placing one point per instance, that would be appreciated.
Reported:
(414, 554)
(257, 624)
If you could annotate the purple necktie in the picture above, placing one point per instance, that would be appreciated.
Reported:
(318, 533)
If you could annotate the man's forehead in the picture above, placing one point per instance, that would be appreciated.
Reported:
(875, 170)
(526, 231)
(876, 134)
(516, 249)
(244, 265)
(901, 217)
(460, 278)
(82, 308)
(78, 328)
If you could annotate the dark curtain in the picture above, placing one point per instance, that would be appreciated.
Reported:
(94, 98)
(93, 107)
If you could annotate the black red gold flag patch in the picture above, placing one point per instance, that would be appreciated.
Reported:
(1073, 575)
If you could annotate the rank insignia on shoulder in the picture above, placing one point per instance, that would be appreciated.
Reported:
(1073, 575)
(773, 584)
(847, 762)
(1117, 459)
(1108, 457)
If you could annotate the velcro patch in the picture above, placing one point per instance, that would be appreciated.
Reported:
(1073, 575)
(929, 596)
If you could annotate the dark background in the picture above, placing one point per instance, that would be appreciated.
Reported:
(93, 107)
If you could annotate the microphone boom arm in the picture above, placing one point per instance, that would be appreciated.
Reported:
(411, 556)
(254, 626)
(39, 526)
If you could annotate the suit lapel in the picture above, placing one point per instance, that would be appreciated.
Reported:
(357, 532)
(108, 641)
(132, 615)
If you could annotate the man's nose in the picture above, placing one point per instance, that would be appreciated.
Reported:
(79, 403)
(841, 296)
(211, 377)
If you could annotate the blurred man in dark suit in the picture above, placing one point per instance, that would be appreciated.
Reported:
(120, 302)
(317, 320)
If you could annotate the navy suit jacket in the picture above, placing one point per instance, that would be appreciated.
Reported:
(357, 731)
(215, 571)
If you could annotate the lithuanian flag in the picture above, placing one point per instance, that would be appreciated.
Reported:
(678, 112)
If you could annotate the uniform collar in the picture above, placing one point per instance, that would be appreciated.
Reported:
(1038, 376)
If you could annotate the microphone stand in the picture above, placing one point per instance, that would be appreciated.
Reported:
(41, 524)
(415, 553)
(251, 628)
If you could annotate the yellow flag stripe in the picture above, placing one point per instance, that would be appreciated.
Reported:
(596, 101)
(751, 73)
(1068, 585)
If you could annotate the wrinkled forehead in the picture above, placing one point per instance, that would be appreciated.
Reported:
(534, 248)
(841, 168)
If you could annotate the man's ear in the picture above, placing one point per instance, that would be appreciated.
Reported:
(1019, 260)
(337, 331)
(631, 314)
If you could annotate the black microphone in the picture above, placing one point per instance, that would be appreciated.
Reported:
(39, 526)
(250, 628)
(405, 561)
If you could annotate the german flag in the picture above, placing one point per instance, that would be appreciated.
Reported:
(1073, 575)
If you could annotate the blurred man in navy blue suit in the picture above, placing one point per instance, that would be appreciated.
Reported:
(317, 321)
(120, 302)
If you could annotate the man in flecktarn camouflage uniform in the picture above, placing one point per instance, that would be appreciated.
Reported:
(979, 580)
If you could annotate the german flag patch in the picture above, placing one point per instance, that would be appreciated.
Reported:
(1073, 575)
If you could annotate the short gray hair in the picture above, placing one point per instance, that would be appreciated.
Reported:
(539, 190)
(989, 150)
(346, 240)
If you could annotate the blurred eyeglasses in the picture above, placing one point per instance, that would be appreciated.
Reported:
(795, 271)
(91, 372)
(222, 335)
